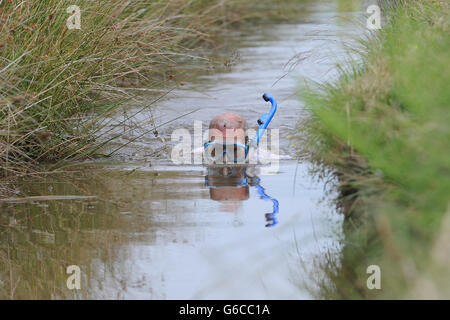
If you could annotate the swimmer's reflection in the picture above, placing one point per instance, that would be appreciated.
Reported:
(232, 183)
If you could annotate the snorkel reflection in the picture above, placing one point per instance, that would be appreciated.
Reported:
(228, 184)
(270, 217)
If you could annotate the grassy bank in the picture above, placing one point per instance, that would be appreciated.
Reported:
(58, 84)
(384, 128)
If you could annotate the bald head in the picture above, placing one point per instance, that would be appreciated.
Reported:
(228, 121)
(228, 126)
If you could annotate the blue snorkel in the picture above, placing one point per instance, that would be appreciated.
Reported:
(265, 119)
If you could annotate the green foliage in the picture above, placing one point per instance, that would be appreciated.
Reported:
(393, 111)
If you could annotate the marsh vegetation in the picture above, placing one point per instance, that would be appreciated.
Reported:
(384, 128)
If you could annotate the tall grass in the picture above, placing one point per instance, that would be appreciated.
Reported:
(53, 79)
(384, 127)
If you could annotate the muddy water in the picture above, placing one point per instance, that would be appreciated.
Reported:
(155, 230)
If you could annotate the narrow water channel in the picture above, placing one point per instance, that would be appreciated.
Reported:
(155, 229)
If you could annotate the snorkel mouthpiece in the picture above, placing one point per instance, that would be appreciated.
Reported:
(265, 119)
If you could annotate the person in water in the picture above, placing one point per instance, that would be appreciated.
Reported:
(227, 131)
(228, 140)
(227, 149)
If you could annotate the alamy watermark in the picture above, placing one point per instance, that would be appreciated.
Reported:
(224, 147)
(374, 280)
(74, 20)
(374, 20)
(74, 280)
